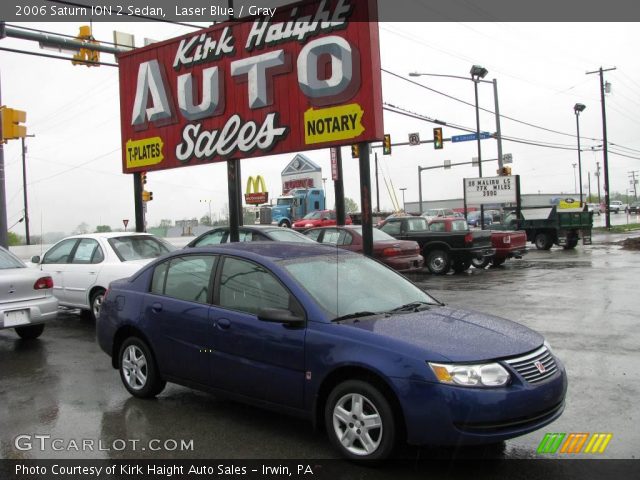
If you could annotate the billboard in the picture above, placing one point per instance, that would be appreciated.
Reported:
(307, 77)
(490, 190)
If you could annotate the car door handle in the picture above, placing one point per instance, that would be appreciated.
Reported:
(223, 323)
(156, 307)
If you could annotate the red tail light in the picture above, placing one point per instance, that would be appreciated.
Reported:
(43, 283)
(391, 252)
(468, 238)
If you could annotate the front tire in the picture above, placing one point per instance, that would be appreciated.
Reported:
(29, 332)
(438, 262)
(284, 224)
(138, 370)
(360, 422)
(460, 266)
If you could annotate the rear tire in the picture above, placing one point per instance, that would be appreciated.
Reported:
(284, 224)
(29, 332)
(543, 241)
(480, 262)
(96, 304)
(572, 242)
(138, 370)
(496, 262)
(460, 266)
(360, 421)
(438, 262)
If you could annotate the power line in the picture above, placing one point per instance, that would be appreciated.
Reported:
(407, 113)
(489, 111)
(57, 57)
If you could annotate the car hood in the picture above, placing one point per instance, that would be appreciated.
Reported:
(459, 335)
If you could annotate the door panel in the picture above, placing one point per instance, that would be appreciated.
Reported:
(259, 359)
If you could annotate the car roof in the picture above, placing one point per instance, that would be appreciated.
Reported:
(110, 235)
(273, 251)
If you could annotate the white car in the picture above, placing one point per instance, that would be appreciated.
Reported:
(617, 206)
(437, 212)
(82, 266)
(26, 297)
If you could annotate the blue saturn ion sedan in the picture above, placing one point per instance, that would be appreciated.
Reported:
(332, 336)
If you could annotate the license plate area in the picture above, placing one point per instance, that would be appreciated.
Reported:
(15, 318)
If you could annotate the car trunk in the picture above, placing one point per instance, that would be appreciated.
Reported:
(18, 283)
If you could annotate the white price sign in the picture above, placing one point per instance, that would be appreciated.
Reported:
(485, 190)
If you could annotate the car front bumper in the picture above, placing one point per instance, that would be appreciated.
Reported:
(439, 414)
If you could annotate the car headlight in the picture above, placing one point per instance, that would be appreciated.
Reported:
(480, 375)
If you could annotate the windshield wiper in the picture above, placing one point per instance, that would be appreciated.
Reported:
(354, 315)
(413, 307)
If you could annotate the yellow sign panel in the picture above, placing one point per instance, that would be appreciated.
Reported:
(569, 204)
(145, 152)
(332, 124)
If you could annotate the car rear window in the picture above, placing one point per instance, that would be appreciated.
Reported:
(9, 260)
(137, 247)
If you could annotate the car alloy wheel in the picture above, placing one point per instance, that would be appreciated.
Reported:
(360, 421)
(138, 369)
(357, 423)
(134, 367)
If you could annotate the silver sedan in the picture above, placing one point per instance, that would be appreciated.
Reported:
(26, 297)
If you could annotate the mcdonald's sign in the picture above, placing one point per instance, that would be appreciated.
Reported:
(256, 192)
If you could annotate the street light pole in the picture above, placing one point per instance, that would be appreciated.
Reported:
(577, 108)
(477, 72)
(403, 204)
(575, 184)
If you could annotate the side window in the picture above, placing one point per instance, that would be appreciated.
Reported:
(392, 228)
(88, 251)
(245, 236)
(437, 227)
(246, 286)
(347, 238)
(60, 253)
(214, 238)
(185, 278)
(314, 234)
(331, 236)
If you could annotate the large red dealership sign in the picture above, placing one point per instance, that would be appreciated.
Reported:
(308, 77)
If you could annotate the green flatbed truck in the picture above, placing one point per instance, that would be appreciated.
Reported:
(550, 226)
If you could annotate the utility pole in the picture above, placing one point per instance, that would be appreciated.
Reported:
(634, 182)
(605, 145)
(24, 191)
(598, 175)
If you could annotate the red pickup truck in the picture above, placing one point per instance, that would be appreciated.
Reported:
(508, 244)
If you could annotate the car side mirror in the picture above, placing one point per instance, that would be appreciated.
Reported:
(35, 259)
(280, 315)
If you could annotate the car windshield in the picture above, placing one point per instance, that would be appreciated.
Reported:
(342, 284)
(286, 235)
(9, 260)
(313, 215)
(137, 247)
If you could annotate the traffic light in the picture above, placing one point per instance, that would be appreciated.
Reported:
(11, 120)
(143, 179)
(355, 151)
(87, 56)
(504, 171)
(386, 145)
(437, 138)
(147, 196)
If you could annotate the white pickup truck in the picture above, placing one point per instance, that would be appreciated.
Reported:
(616, 206)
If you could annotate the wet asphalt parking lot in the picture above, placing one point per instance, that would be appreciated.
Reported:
(584, 301)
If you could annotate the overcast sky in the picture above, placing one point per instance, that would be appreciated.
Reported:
(74, 164)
